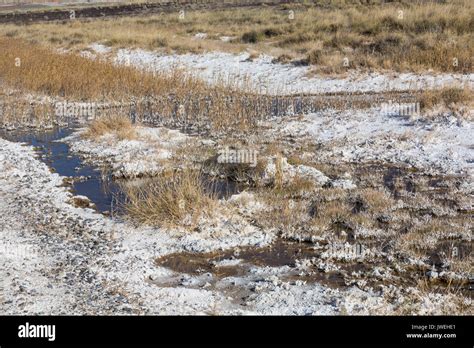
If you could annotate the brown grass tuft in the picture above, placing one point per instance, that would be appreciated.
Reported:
(173, 198)
(445, 97)
(121, 126)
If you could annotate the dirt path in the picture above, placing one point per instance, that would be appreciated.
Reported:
(48, 249)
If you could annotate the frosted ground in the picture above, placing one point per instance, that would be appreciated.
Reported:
(260, 72)
(80, 262)
(65, 259)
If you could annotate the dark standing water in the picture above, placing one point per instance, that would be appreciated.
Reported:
(91, 181)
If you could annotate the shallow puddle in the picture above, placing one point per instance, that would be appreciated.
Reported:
(237, 262)
(280, 253)
(86, 180)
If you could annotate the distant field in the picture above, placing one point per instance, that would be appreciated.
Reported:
(334, 36)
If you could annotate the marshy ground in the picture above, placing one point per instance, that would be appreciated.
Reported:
(232, 163)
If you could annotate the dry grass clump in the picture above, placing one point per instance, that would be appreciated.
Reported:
(286, 198)
(283, 59)
(288, 215)
(314, 57)
(449, 101)
(173, 198)
(420, 239)
(284, 214)
(446, 97)
(464, 265)
(16, 110)
(438, 236)
(294, 188)
(427, 299)
(329, 208)
(297, 208)
(375, 201)
(119, 125)
(39, 69)
(335, 209)
(175, 97)
(252, 37)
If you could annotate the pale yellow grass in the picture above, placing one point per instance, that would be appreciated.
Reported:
(173, 198)
(118, 125)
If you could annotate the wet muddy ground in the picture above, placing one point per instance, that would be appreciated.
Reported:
(88, 180)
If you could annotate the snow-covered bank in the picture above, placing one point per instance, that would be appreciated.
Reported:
(275, 78)
(443, 147)
(144, 155)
